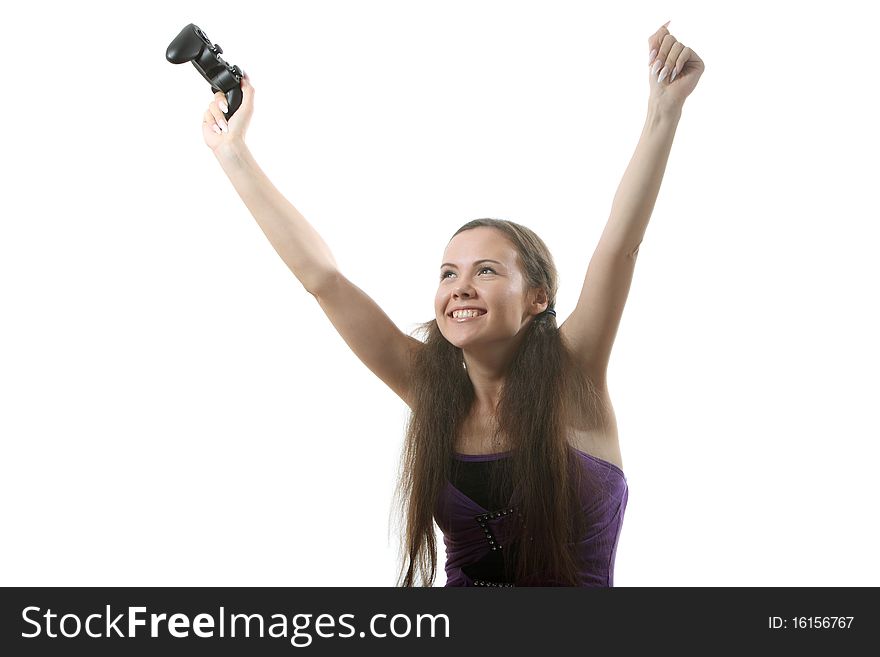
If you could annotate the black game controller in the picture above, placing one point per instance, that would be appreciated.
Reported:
(193, 45)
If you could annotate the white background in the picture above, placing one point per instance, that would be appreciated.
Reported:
(177, 410)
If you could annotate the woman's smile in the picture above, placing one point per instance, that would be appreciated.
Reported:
(460, 320)
(466, 314)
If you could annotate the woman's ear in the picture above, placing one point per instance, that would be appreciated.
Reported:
(539, 301)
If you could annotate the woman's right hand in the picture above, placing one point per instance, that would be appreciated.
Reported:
(237, 126)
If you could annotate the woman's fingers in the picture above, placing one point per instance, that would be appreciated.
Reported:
(217, 113)
(670, 60)
(671, 56)
(666, 44)
(211, 122)
(215, 119)
(220, 99)
(656, 39)
(680, 61)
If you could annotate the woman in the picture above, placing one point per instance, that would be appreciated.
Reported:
(498, 393)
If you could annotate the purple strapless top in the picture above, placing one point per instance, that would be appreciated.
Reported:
(464, 523)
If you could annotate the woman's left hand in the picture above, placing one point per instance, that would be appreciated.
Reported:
(675, 69)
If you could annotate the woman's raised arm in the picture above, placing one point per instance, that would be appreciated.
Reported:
(294, 239)
(367, 330)
(592, 326)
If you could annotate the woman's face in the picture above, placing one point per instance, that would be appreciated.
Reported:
(480, 270)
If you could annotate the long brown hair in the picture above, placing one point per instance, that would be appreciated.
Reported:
(543, 394)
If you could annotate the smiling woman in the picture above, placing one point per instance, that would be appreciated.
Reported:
(514, 399)
(511, 446)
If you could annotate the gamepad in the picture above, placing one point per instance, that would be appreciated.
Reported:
(193, 45)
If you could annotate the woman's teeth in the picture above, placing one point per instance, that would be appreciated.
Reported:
(465, 314)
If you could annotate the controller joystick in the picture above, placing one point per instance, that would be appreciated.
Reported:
(193, 45)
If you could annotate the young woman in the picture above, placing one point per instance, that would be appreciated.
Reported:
(498, 393)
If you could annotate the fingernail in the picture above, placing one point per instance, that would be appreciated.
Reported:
(224, 106)
(652, 56)
(662, 74)
(655, 67)
(216, 129)
(674, 73)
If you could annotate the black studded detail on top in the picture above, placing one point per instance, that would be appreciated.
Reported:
(479, 582)
(472, 478)
(494, 544)
(483, 521)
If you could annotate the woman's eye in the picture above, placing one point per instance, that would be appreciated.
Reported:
(482, 269)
